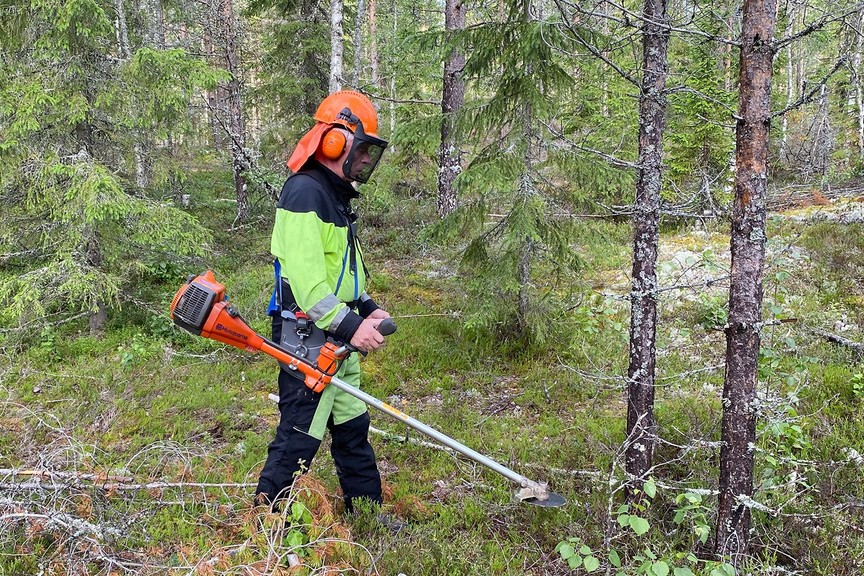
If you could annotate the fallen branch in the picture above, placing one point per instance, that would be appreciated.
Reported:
(52, 480)
(839, 340)
(50, 474)
(119, 487)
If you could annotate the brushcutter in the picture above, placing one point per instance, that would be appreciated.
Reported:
(201, 307)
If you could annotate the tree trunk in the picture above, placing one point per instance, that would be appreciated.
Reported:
(373, 45)
(213, 104)
(336, 74)
(358, 44)
(790, 88)
(526, 191)
(738, 428)
(820, 153)
(727, 50)
(154, 35)
(453, 96)
(99, 313)
(138, 154)
(393, 77)
(604, 67)
(859, 98)
(236, 119)
(856, 68)
(641, 428)
(92, 254)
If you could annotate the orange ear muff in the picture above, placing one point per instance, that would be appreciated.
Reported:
(333, 144)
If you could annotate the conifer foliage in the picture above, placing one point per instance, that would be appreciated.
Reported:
(76, 230)
(518, 241)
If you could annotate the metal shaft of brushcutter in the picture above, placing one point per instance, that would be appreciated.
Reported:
(431, 432)
(529, 490)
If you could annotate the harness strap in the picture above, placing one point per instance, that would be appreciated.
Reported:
(349, 259)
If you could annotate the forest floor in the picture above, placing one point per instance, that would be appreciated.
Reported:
(138, 452)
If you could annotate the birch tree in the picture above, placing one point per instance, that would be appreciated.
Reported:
(336, 74)
(858, 80)
(373, 44)
(358, 43)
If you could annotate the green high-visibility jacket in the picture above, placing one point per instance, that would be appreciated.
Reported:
(320, 259)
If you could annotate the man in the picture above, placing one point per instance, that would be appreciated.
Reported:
(320, 286)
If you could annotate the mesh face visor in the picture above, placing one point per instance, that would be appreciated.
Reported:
(365, 153)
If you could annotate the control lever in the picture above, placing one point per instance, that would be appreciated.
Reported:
(386, 327)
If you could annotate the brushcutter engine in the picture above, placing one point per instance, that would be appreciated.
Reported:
(193, 303)
(201, 307)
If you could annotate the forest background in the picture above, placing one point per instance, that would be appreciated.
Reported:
(552, 163)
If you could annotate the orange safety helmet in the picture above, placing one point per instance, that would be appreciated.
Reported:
(354, 112)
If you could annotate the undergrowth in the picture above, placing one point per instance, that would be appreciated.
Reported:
(139, 452)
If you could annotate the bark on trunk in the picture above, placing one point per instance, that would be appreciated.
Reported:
(604, 67)
(790, 88)
(138, 152)
(526, 251)
(393, 80)
(236, 120)
(526, 190)
(99, 313)
(823, 142)
(210, 31)
(738, 428)
(373, 45)
(641, 428)
(336, 74)
(453, 96)
(859, 90)
(154, 35)
(358, 44)
(727, 51)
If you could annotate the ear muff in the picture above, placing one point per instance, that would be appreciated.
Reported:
(333, 144)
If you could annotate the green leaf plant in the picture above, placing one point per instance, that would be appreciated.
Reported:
(641, 547)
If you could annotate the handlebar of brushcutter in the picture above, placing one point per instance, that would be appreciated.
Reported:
(386, 327)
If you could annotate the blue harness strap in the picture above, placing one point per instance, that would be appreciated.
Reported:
(275, 306)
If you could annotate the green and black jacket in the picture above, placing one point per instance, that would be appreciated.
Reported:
(318, 256)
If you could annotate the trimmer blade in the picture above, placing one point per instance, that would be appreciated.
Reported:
(554, 501)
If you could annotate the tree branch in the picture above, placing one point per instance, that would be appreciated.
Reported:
(828, 18)
(808, 96)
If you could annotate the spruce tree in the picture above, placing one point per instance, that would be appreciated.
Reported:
(77, 233)
(519, 241)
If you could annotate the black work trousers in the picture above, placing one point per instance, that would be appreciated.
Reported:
(293, 449)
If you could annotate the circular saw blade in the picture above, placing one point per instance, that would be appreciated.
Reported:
(554, 501)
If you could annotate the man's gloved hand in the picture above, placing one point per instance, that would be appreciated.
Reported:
(378, 314)
(367, 337)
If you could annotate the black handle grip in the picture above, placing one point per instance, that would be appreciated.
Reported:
(387, 327)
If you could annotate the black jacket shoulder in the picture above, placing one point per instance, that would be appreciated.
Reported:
(304, 193)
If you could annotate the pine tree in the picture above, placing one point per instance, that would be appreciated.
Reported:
(641, 427)
(738, 433)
